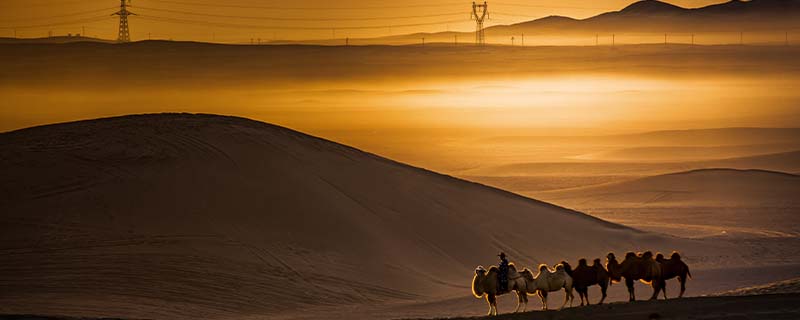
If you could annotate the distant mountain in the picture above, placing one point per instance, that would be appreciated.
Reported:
(760, 20)
(656, 16)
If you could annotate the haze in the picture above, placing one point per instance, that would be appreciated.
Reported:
(38, 18)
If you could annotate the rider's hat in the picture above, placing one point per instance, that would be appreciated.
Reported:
(502, 255)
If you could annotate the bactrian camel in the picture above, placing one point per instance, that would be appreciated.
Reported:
(585, 276)
(671, 268)
(640, 267)
(547, 281)
(485, 283)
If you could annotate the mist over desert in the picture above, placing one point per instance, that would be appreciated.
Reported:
(247, 160)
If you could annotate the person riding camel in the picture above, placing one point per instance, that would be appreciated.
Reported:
(502, 274)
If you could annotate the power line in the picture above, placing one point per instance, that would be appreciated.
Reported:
(249, 26)
(47, 4)
(64, 23)
(299, 19)
(515, 15)
(526, 5)
(63, 15)
(198, 4)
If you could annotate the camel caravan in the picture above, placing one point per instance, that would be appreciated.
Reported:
(505, 278)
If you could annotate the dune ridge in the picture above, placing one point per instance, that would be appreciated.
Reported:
(186, 215)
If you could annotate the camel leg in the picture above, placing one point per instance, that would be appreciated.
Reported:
(492, 304)
(656, 284)
(664, 289)
(603, 291)
(629, 284)
(586, 293)
(683, 286)
(571, 297)
(567, 294)
(525, 298)
(543, 297)
(519, 301)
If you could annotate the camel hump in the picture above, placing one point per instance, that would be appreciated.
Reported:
(543, 267)
(492, 269)
(559, 267)
(675, 256)
(512, 267)
(527, 274)
(597, 262)
(582, 262)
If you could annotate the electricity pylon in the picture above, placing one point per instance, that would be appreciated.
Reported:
(123, 13)
(479, 13)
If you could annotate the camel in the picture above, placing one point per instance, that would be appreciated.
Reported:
(548, 281)
(640, 267)
(671, 268)
(585, 276)
(486, 283)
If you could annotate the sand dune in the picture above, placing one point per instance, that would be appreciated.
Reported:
(684, 153)
(783, 162)
(186, 216)
(700, 203)
(704, 187)
(767, 307)
(791, 286)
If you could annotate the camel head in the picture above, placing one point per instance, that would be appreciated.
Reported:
(631, 255)
(613, 267)
(675, 255)
(477, 282)
(567, 267)
(480, 270)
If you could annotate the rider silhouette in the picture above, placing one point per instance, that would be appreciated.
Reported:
(502, 274)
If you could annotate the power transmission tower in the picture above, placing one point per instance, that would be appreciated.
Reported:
(123, 13)
(479, 13)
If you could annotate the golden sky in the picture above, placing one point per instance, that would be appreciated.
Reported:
(239, 21)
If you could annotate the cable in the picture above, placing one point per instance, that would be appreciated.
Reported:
(515, 15)
(525, 5)
(246, 26)
(64, 23)
(299, 19)
(195, 4)
(48, 4)
(63, 15)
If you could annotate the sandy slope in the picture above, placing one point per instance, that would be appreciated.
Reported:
(704, 187)
(184, 216)
(728, 203)
(780, 306)
(783, 161)
(770, 307)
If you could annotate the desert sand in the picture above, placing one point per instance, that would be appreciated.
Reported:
(182, 216)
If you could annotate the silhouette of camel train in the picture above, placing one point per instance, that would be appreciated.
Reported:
(649, 269)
